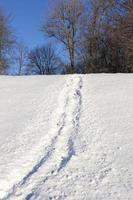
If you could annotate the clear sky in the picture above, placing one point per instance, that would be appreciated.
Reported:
(27, 17)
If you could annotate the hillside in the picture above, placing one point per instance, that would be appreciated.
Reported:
(66, 137)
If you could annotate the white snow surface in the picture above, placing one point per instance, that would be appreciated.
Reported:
(66, 137)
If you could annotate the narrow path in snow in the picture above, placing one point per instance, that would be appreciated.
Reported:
(65, 128)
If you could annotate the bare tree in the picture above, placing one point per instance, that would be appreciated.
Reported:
(97, 35)
(44, 59)
(107, 41)
(21, 56)
(64, 25)
(125, 32)
(6, 39)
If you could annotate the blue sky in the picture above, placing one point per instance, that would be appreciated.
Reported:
(27, 17)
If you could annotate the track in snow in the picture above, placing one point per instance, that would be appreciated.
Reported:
(61, 149)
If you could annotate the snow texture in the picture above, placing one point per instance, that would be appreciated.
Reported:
(66, 137)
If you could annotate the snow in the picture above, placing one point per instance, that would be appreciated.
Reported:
(66, 137)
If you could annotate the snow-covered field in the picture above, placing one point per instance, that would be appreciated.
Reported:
(66, 137)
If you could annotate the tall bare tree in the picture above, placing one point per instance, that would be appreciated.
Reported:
(21, 56)
(64, 25)
(6, 39)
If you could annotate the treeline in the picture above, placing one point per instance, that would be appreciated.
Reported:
(96, 34)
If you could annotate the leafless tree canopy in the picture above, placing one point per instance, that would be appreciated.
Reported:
(64, 24)
(103, 42)
(44, 59)
(108, 40)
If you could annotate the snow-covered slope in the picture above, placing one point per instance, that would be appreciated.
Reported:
(66, 137)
